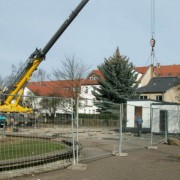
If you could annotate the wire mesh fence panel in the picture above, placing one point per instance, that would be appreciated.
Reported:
(40, 139)
(160, 121)
(98, 131)
(137, 131)
(165, 121)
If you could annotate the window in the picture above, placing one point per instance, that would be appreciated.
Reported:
(159, 98)
(75, 89)
(143, 97)
(80, 104)
(93, 78)
(86, 90)
(65, 88)
(65, 104)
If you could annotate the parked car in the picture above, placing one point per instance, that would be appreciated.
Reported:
(3, 120)
(21, 120)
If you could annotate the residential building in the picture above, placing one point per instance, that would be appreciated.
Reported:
(146, 73)
(161, 89)
(158, 83)
(65, 89)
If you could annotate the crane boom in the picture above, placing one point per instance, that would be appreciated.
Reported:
(14, 88)
(63, 27)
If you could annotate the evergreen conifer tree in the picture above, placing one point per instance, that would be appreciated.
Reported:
(118, 82)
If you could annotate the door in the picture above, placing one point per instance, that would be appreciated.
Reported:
(163, 121)
(138, 113)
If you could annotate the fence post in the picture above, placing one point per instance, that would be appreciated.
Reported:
(77, 166)
(77, 130)
(72, 126)
(120, 131)
(151, 125)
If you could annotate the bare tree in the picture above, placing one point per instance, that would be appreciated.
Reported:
(40, 75)
(73, 71)
(1, 83)
(50, 104)
(9, 78)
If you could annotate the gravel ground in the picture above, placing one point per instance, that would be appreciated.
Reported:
(140, 164)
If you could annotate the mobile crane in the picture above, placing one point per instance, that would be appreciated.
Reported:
(12, 94)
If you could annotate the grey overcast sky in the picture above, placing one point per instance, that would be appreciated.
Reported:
(101, 27)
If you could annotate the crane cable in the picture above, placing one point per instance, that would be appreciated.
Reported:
(152, 18)
(152, 41)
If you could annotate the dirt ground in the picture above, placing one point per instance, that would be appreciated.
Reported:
(140, 164)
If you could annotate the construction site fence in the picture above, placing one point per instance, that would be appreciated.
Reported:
(54, 136)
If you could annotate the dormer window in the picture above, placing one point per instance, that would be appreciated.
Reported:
(93, 78)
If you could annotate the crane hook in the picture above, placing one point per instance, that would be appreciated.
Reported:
(152, 42)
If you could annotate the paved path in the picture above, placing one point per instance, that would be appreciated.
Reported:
(141, 164)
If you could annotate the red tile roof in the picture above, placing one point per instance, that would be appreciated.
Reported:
(96, 72)
(63, 88)
(141, 70)
(49, 88)
(89, 82)
(163, 71)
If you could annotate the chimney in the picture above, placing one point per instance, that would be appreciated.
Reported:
(158, 65)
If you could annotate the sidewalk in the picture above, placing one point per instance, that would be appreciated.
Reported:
(141, 164)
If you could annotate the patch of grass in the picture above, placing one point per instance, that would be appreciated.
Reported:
(20, 147)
